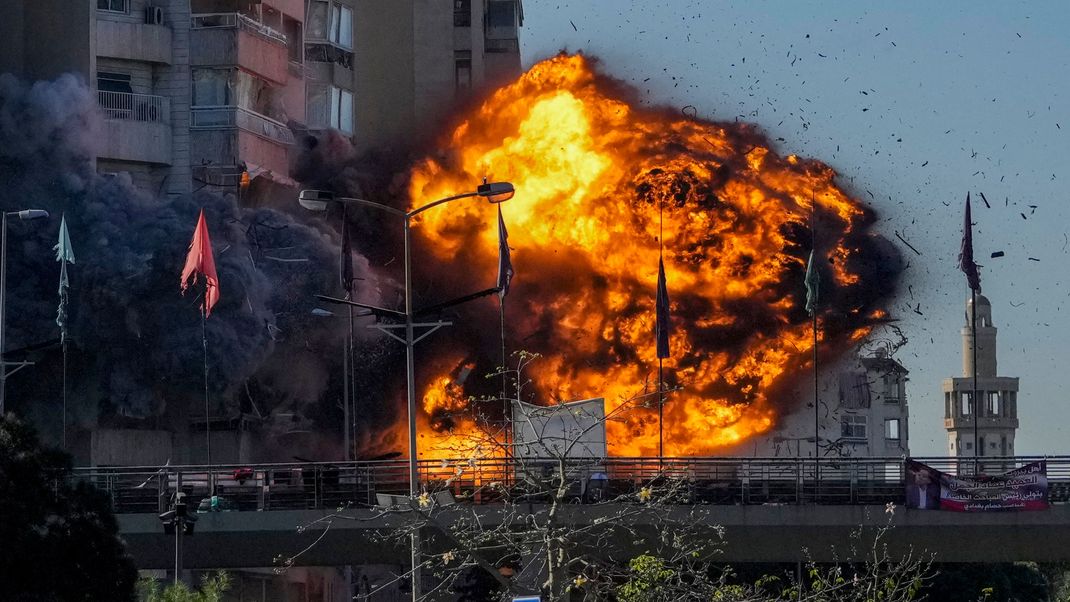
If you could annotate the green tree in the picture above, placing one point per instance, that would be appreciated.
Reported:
(58, 540)
(212, 589)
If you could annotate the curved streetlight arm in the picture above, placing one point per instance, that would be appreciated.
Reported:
(455, 197)
(387, 208)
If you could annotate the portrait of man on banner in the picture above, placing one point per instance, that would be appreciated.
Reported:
(922, 487)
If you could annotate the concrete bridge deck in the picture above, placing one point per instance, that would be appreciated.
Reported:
(771, 510)
(751, 534)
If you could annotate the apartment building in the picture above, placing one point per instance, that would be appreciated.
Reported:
(416, 61)
(247, 95)
(872, 408)
(133, 55)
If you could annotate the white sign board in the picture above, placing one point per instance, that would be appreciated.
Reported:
(528, 599)
(576, 429)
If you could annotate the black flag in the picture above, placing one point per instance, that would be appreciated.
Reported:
(505, 265)
(966, 263)
(663, 325)
(345, 266)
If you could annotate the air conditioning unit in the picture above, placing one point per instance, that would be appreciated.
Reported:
(154, 15)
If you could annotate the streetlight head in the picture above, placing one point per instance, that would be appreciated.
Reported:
(496, 192)
(323, 313)
(26, 214)
(315, 200)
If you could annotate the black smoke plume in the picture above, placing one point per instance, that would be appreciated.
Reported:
(137, 351)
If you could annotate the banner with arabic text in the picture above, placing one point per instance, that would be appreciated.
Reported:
(1024, 488)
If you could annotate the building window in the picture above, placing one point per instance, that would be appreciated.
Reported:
(342, 110)
(501, 13)
(316, 109)
(462, 70)
(342, 26)
(113, 82)
(891, 429)
(116, 6)
(330, 107)
(317, 20)
(967, 403)
(993, 405)
(981, 446)
(295, 43)
(212, 87)
(853, 426)
(462, 13)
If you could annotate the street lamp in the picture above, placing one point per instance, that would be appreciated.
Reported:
(319, 200)
(178, 521)
(24, 215)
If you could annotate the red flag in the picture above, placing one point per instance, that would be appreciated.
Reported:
(200, 261)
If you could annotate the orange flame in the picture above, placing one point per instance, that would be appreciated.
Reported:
(595, 177)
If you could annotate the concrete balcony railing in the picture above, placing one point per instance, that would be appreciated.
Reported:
(134, 107)
(134, 41)
(231, 39)
(226, 117)
(136, 127)
(231, 136)
(236, 20)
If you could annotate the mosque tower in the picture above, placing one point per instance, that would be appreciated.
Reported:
(997, 419)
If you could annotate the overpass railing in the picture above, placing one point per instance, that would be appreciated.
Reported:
(710, 480)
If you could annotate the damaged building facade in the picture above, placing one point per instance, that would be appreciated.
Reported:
(217, 94)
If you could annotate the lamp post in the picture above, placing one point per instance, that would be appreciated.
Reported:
(318, 200)
(178, 521)
(25, 215)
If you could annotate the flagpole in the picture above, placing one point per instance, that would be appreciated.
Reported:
(505, 274)
(817, 404)
(64, 393)
(817, 413)
(973, 397)
(207, 415)
(661, 379)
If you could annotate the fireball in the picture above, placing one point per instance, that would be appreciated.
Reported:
(605, 188)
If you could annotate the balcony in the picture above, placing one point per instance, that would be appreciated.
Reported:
(134, 41)
(229, 39)
(501, 45)
(223, 117)
(228, 135)
(136, 127)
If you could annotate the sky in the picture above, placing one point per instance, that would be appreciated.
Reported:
(914, 103)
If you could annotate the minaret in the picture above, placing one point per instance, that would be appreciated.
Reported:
(998, 396)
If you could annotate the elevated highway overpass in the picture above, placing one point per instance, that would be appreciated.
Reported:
(770, 510)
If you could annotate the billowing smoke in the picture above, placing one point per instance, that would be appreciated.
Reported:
(137, 343)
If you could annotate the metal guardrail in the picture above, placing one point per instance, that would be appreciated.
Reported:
(236, 20)
(265, 487)
(134, 107)
(225, 117)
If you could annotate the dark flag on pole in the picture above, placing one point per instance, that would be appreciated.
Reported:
(64, 255)
(200, 261)
(813, 283)
(966, 263)
(505, 265)
(663, 324)
(345, 268)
